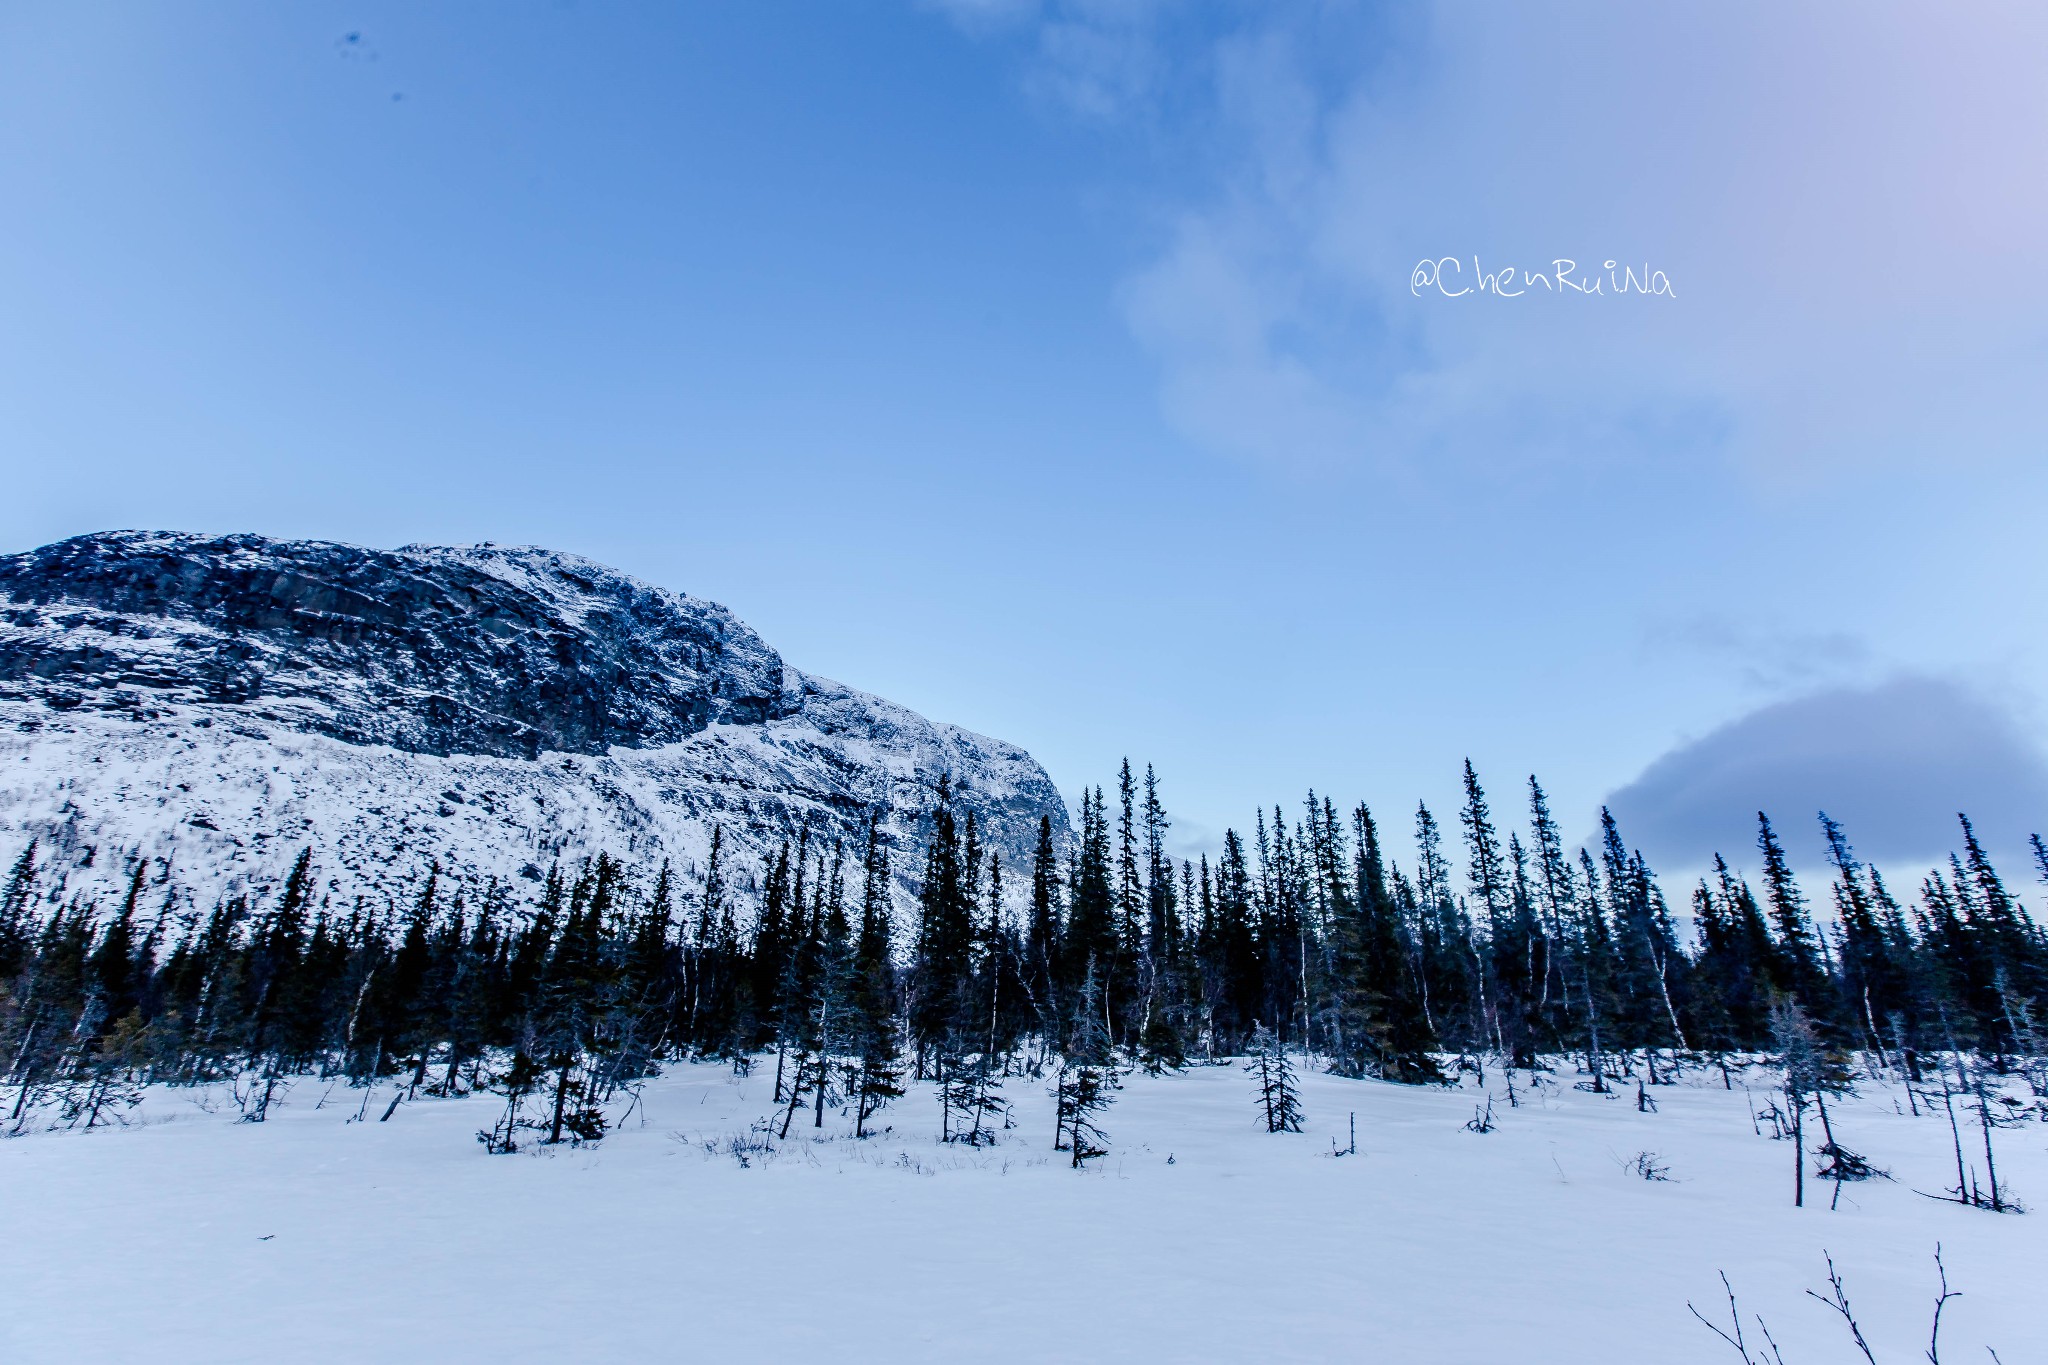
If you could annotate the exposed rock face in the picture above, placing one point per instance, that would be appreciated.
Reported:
(218, 702)
(484, 650)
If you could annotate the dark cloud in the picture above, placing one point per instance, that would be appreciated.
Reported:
(1893, 763)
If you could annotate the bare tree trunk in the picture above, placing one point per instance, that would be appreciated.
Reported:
(818, 1119)
(1955, 1133)
(1798, 1105)
(796, 1095)
(1990, 1164)
(561, 1099)
(24, 1073)
(1664, 989)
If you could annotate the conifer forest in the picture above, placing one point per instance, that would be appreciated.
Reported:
(563, 994)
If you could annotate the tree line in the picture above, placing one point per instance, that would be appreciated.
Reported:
(1106, 952)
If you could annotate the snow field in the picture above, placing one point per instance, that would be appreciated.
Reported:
(189, 1236)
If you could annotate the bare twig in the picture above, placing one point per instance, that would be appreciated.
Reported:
(1934, 1335)
(1737, 1341)
(1837, 1299)
(1734, 1316)
(1840, 1303)
(1777, 1356)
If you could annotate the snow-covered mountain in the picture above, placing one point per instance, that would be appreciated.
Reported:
(218, 703)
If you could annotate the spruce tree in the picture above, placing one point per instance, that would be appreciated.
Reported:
(475, 994)
(1871, 984)
(280, 1030)
(1646, 947)
(1557, 911)
(1086, 1083)
(1450, 995)
(1237, 962)
(1042, 948)
(14, 900)
(1519, 960)
(1279, 1101)
(941, 982)
(873, 1025)
(1799, 968)
(2011, 959)
(1124, 971)
(971, 1089)
(1499, 889)
(1594, 951)
(1811, 1072)
(1731, 966)
(1282, 932)
(1161, 1047)
(1352, 997)
(1090, 939)
(565, 1018)
(1399, 1029)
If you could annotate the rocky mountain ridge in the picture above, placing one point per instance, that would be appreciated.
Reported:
(216, 703)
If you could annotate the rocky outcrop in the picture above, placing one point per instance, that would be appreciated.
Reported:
(484, 650)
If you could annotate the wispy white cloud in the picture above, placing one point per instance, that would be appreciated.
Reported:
(1848, 212)
(1103, 59)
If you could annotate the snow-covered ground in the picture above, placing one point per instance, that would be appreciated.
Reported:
(188, 1236)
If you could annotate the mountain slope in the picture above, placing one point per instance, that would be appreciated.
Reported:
(220, 702)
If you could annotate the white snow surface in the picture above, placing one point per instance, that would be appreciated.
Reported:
(190, 1237)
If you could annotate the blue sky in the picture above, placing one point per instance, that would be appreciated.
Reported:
(1055, 368)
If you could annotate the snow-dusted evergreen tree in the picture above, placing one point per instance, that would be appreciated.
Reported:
(1090, 937)
(1798, 947)
(1811, 1073)
(15, 929)
(873, 1025)
(971, 1091)
(1041, 952)
(1087, 1079)
(572, 989)
(1162, 1024)
(815, 991)
(1279, 1100)
(1376, 1023)
(940, 985)
(974, 1096)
